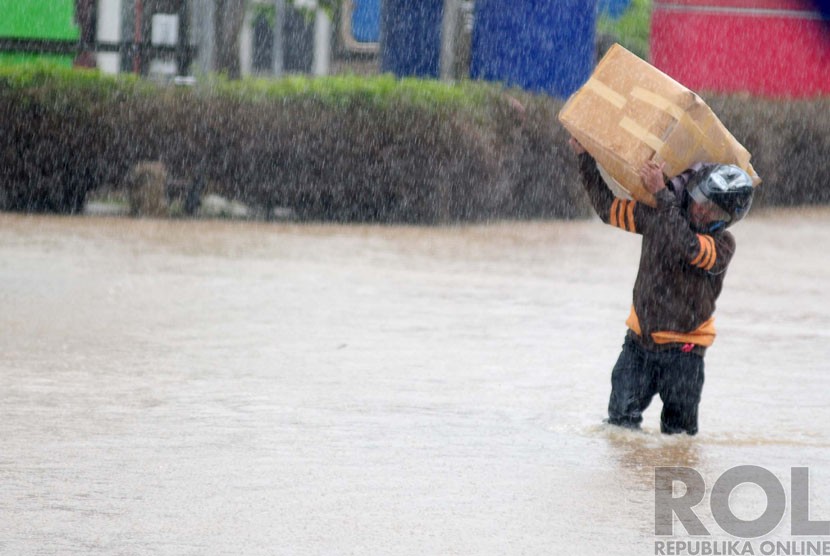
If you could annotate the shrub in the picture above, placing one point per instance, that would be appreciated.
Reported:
(340, 148)
(343, 148)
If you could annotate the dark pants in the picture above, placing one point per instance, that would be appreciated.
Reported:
(640, 373)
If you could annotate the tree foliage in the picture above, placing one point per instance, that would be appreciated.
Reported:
(632, 30)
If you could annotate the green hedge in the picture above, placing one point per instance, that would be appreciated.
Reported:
(343, 148)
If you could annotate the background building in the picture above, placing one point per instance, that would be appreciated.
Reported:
(777, 48)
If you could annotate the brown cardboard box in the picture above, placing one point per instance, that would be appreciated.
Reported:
(629, 112)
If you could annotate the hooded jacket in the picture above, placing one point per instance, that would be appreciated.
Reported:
(681, 270)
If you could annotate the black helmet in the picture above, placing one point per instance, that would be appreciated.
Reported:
(728, 187)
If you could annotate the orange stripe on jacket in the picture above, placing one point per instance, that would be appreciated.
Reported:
(629, 211)
(613, 216)
(713, 255)
(705, 259)
(703, 335)
(622, 215)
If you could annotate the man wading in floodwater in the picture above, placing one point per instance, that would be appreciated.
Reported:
(685, 252)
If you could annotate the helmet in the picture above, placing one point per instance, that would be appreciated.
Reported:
(726, 186)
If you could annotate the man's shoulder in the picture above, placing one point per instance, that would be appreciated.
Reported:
(725, 241)
(727, 236)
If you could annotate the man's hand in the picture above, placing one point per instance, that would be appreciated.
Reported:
(576, 146)
(652, 175)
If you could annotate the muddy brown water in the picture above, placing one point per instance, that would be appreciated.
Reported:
(214, 387)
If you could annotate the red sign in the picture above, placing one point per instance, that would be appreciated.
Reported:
(774, 48)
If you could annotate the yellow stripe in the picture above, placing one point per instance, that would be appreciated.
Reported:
(708, 254)
(713, 255)
(703, 248)
(705, 259)
(621, 215)
(613, 214)
(629, 207)
(598, 87)
(709, 260)
(703, 335)
(624, 216)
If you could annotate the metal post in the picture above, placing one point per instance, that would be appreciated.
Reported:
(203, 31)
(125, 52)
(85, 17)
(183, 56)
(279, 54)
(137, 37)
(322, 43)
(449, 30)
(109, 17)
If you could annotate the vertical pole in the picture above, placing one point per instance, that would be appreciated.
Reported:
(85, 17)
(245, 41)
(109, 16)
(183, 56)
(137, 40)
(279, 20)
(449, 29)
(125, 33)
(204, 31)
(322, 43)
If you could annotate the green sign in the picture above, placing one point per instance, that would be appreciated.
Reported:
(37, 19)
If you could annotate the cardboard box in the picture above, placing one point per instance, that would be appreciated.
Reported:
(629, 112)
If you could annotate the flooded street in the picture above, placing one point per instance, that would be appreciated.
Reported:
(237, 388)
